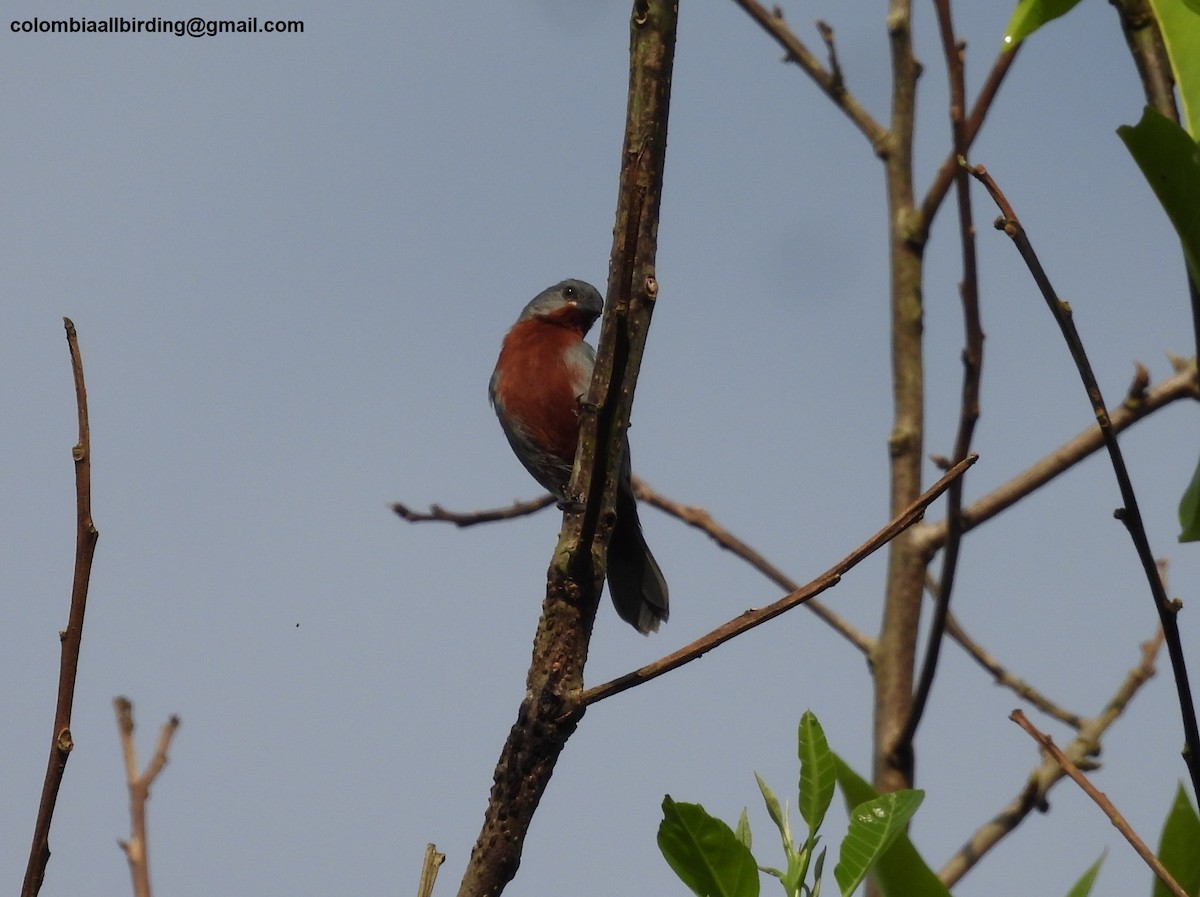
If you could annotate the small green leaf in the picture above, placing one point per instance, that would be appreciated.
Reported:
(818, 773)
(1030, 15)
(1177, 848)
(777, 813)
(874, 825)
(1189, 510)
(1170, 161)
(743, 830)
(705, 853)
(1179, 22)
(900, 872)
(1083, 887)
(818, 868)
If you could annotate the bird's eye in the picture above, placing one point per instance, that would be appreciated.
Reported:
(568, 292)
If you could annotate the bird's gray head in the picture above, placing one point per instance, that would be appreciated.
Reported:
(571, 299)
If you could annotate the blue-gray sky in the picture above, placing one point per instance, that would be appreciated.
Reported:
(291, 259)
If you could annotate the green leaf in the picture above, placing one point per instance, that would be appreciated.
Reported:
(1189, 510)
(1179, 22)
(1170, 161)
(1030, 15)
(900, 872)
(818, 868)
(705, 853)
(743, 830)
(1177, 849)
(777, 813)
(1083, 887)
(818, 773)
(874, 826)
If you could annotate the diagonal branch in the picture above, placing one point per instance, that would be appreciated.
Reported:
(830, 82)
(1102, 802)
(1129, 514)
(1033, 796)
(703, 521)
(71, 638)
(751, 618)
(1138, 405)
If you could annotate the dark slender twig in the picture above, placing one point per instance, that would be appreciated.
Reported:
(1129, 514)
(71, 638)
(136, 848)
(972, 358)
(948, 170)
(1102, 801)
(830, 82)
(438, 514)
(838, 84)
(703, 521)
(751, 618)
(1033, 795)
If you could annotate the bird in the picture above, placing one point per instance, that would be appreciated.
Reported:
(542, 375)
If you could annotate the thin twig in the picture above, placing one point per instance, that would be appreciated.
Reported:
(1000, 673)
(1102, 801)
(429, 870)
(438, 514)
(703, 521)
(1033, 795)
(972, 358)
(751, 618)
(948, 170)
(71, 638)
(136, 848)
(1129, 514)
(830, 82)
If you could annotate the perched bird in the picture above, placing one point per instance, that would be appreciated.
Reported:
(543, 373)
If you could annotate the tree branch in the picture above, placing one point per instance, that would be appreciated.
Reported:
(1138, 405)
(703, 521)
(1033, 796)
(438, 514)
(1102, 801)
(552, 709)
(751, 618)
(71, 638)
(972, 358)
(895, 655)
(136, 848)
(830, 82)
(1129, 514)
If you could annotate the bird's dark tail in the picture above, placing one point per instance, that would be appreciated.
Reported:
(637, 586)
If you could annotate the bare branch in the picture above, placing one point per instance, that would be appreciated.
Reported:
(703, 521)
(438, 514)
(751, 618)
(972, 358)
(71, 638)
(429, 870)
(1102, 802)
(136, 848)
(1033, 796)
(1139, 404)
(829, 82)
(1129, 514)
